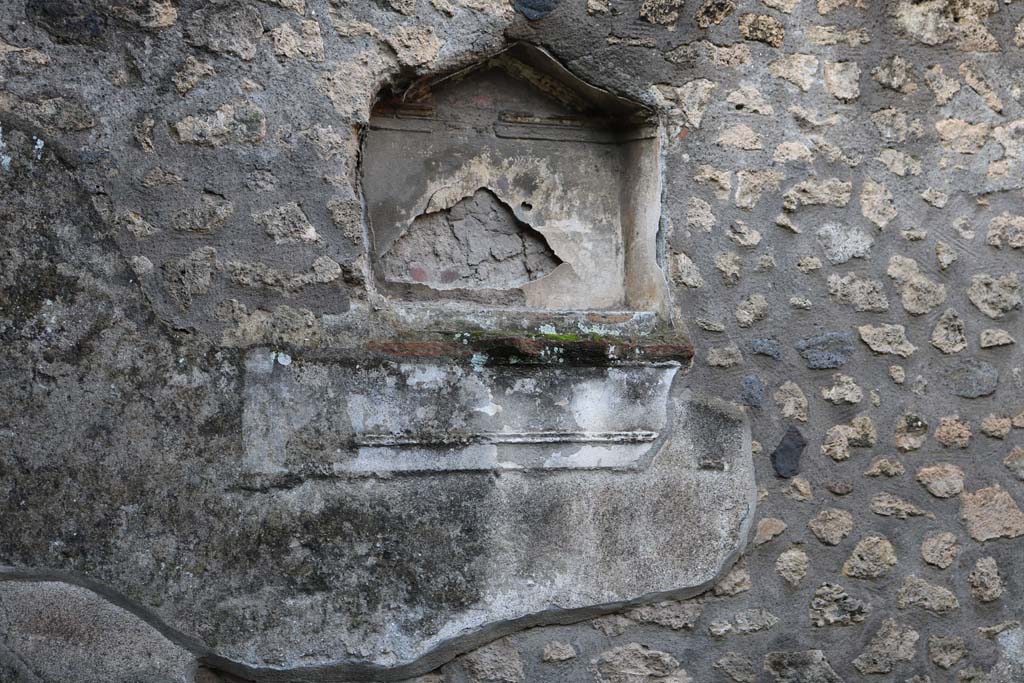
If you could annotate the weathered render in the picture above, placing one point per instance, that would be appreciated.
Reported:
(503, 341)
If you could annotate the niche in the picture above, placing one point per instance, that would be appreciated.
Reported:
(512, 183)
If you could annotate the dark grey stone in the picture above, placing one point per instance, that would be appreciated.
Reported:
(973, 378)
(786, 456)
(827, 350)
(766, 346)
(753, 391)
(536, 9)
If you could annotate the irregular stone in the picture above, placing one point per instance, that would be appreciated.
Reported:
(729, 266)
(231, 28)
(991, 338)
(962, 136)
(749, 99)
(799, 490)
(833, 606)
(831, 525)
(839, 487)
(826, 351)
(888, 505)
(306, 43)
(791, 401)
(943, 480)
(872, 558)
(724, 356)
(919, 294)
(841, 244)
(945, 254)
(752, 309)
(208, 215)
(818, 192)
(712, 12)
(844, 390)
(735, 582)
(191, 72)
(972, 378)
(737, 667)
(786, 456)
(1015, 462)
(753, 620)
(752, 184)
(895, 73)
(862, 293)
(995, 296)
(842, 80)
(792, 565)
(885, 467)
(809, 666)
(916, 592)
(942, 86)
(876, 203)
(946, 651)
(1007, 229)
(911, 432)
(232, 124)
(415, 45)
(752, 391)
(664, 12)
(991, 513)
(940, 549)
(740, 136)
(887, 339)
(953, 432)
(636, 663)
(948, 335)
(189, 276)
(685, 272)
(557, 651)
(64, 632)
(762, 28)
(287, 224)
(986, 584)
(996, 427)
(897, 374)
(674, 614)
(860, 433)
(767, 529)
(497, 662)
(766, 346)
(799, 69)
(893, 642)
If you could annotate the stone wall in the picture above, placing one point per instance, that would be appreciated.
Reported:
(842, 225)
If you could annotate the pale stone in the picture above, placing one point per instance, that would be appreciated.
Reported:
(889, 505)
(885, 467)
(897, 374)
(740, 136)
(232, 123)
(750, 185)
(872, 558)
(996, 426)
(995, 296)
(729, 265)
(791, 401)
(946, 651)
(634, 662)
(685, 272)
(876, 203)
(190, 73)
(844, 390)
(943, 480)
(767, 529)
(953, 432)
(979, 84)
(719, 179)
(887, 339)
(831, 525)
(842, 80)
(994, 337)
(841, 244)
(1006, 228)
(940, 549)
(895, 73)
(735, 582)
(792, 565)
(749, 99)
(415, 45)
(862, 293)
(306, 43)
(945, 255)
(944, 87)
(911, 432)
(893, 642)
(986, 583)
(919, 294)
(991, 513)
(962, 136)
(833, 606)
(699, 215)
(916, 592)
(557, 651)
(1014, 462)
(818, 192)
(724, 356)
(286, 224)
(948, 335)
(763, 28)
(799, 69)
(900, 163)
(674, 614)
(743, 235)
(792, 151)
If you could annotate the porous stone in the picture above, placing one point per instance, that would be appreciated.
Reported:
(946, 651)
(873, 557)
(986, 583)
(889, 505)
(231, 124)
(863, 294)
(1014, 462)
(798, 69)
(916, 592)
(751, 310)
(636, 662)
(763, 28)
(767, 529)
(919, 294)
(831, 525)
(940, 549)
(893, 642)
(844, 391)
(737, 667)
(833, 606)
(791, 401)
(953, 432)
(991, 513)
(995, 296)
(712, 12)
(887, 339)
(810, 666)
(842, 80)
(232, 28)
(827, 350)
(996, 426)
(842, 243)
(677, 615)
(792, 565)
(994, 337)
(724, 356)
(948, 335)
(557, 651)
(885, 467)
(497, 662)
(942, 481)
(911, 432)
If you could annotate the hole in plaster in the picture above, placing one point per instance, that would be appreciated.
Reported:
(514, 184)
(477, 243)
